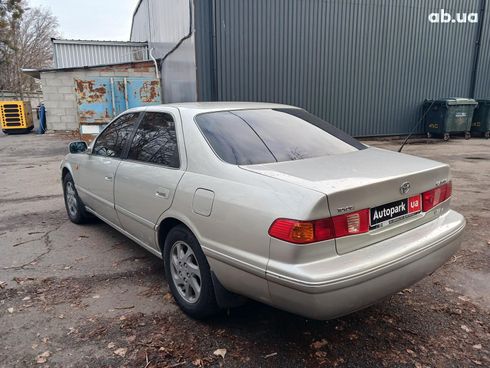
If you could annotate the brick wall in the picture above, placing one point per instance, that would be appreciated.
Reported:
(59, 95)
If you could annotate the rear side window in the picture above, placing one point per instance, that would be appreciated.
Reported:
(112, 140)
(232, 139)
(155, 140)
(245, 137)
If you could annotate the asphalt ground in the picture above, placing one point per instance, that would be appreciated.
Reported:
(86, 296)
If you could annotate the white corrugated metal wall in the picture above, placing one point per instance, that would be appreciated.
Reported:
(76, 53)
(162, 23)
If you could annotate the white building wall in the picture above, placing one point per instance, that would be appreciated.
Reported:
(163, 23)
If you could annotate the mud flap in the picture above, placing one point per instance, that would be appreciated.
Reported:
(224, 298)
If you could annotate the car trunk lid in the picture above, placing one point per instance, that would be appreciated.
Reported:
(363, 179)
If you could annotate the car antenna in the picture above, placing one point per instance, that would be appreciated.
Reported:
(416, 126)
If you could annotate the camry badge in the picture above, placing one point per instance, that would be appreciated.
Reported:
(405, 188)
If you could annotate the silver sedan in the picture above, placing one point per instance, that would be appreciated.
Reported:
(264, 201)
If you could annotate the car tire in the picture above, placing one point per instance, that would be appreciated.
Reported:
(73, 204)
(188, 274)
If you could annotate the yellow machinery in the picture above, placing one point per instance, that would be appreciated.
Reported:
(16, 116)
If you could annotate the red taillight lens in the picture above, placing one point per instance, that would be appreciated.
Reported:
(351, 223)
(303, 232)
(435, 196)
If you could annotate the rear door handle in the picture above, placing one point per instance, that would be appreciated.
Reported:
(108, 178)
(162, 193)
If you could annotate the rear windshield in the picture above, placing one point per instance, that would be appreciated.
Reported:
(247, 137)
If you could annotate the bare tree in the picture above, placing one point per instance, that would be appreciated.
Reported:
(30, 47)
(10, 13)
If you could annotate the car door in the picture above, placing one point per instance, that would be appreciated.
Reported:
(146, 181)
(96, 174)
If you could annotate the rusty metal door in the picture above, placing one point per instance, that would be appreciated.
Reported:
(101, 99)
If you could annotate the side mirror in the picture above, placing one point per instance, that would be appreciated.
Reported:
(78, 147)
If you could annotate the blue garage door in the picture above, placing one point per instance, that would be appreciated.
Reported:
(100, 99)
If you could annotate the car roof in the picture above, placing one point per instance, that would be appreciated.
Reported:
(202, 107)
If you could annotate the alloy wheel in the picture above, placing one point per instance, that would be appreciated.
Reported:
(185, 271)
(71, 199)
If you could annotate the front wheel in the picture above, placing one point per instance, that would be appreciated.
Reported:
(74, 205)
(188, 274)
(467, 135)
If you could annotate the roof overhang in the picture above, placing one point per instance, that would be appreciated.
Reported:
(36, 73)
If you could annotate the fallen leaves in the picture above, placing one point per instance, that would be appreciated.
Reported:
(43, 358)
(10, 310)
(465, 328)
(220, 352)
(2, 284)
(198, 362)
(411, 352)
(319, 344)
(121, 352)
(464, 298)
(477, 346)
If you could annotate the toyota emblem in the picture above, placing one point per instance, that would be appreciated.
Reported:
(405, 188)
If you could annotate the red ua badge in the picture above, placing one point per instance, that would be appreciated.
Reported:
(414, 204)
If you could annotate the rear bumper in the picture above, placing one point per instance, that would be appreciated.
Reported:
(343, 284)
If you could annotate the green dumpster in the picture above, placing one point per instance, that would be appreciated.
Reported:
(449, 115)
(481, 119)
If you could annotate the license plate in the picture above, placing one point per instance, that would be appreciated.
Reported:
(395, 211)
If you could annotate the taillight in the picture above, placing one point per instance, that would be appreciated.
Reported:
(351, 223)
(303, 232)
(435, 196)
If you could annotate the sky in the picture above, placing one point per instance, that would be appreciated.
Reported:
(91, 19)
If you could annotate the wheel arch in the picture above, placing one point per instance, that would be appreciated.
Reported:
(164, 227)
(66, 169)
(64, 172)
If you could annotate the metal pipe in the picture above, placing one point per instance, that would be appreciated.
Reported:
(113, 99)
(126, 92)
(155, 62)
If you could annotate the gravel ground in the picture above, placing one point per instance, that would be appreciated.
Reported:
(86, 296)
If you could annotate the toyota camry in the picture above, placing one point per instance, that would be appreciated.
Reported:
(267, 202)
